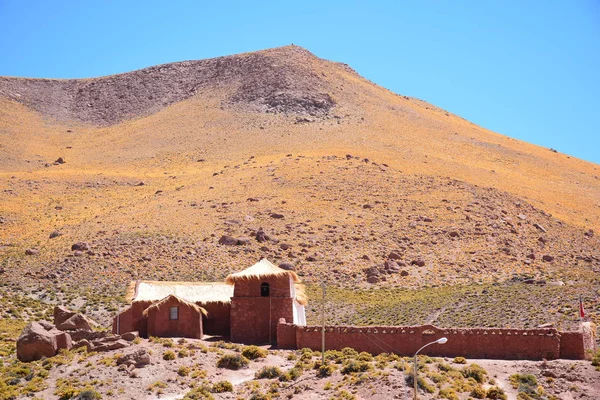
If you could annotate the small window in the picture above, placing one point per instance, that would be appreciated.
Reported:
(174, 313)
(264, 290)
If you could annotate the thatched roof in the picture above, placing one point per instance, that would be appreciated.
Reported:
(178, 300)
(194, 292)
(262, 269)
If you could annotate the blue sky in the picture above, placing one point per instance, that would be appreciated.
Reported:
(529, 70)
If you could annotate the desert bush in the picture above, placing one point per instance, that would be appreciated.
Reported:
(325, 371)
(476, 372)
(89, 394)
(352, 366)
(478, 393)
(222, 387)
(254, 352)
(168, 355)
(183, 371)
(364, 356)
(268, 372)
(449, 394)
(421, 383)
(495, 393)
(349, 352)
(198, 393)
(291, 375)
(233, 361)
(459, 360)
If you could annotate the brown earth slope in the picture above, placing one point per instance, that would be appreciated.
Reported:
(156, 165)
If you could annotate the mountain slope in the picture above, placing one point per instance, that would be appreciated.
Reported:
(158, 164)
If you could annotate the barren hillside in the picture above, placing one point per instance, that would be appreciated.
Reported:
(351, 184)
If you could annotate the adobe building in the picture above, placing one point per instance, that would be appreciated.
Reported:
(246, 307)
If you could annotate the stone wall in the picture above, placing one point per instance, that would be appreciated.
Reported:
(251, 318)
(490, 343)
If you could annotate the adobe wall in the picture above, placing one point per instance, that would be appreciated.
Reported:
(250, 318)
(279, 287)
(218, 320)
(189, 323)
(132, 319)
(286, 335)
(509, 344)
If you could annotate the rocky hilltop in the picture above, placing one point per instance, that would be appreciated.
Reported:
(258, 80)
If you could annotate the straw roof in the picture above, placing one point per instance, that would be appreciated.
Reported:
(262, 269)
(194, 292)
(164, 301)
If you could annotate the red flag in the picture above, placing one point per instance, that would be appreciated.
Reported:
(581, 310)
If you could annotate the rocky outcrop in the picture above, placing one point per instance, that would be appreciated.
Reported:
(138, 358)
(36, 341)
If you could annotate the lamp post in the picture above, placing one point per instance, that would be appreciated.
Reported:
(440, 341)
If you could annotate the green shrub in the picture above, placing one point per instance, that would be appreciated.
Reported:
(89, 394)
(445, 367)
(325, 370)
(168, 355)
(421, 383)
(291, 374)
(459, 360)
(364, 356)
(349, 352)
(222, 387)
(352, 366)
(596, 358)
(198, 393)
(268, 372)
(495, 393)
(476, 372)
(233, 361)
(254, 352)
(478, 393)
(183, 371)
(449, 394)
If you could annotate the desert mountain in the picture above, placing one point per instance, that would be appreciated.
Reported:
(298, 159)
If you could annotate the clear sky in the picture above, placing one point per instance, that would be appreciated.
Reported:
(526, 69)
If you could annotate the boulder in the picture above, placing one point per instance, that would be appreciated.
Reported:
(36, 342)
(373, 279)
(81, 246)
(138, 358)
(130, 336)
(287, 266)
(228, 241)
(75, 322)
(109, 346)
(61, 314)
(548, 258)
(31, 252)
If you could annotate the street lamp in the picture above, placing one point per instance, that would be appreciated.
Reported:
(440, 341)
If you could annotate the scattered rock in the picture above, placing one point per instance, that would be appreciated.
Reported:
(110, 345)
(81, 246)
(130, 336)
(454, 234)
(589, 233)
(285, 246)
(373, 279)
(276, 216)
(540, 227)
(229, 241)
(403, 273)
(261, 236)
(31, 252)
(367, 206)
(418, 262)
(287, 266)
(55, 234)
(75, 322)
(548, 258)
(394, 256)
(61, 314)
(138, 358)
(59, 160)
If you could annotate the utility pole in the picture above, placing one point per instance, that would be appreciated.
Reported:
(323, 330)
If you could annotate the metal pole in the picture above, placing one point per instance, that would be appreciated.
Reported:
(415, 377)
(323, 330)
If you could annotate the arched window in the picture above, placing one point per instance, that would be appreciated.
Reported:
(264, 290)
